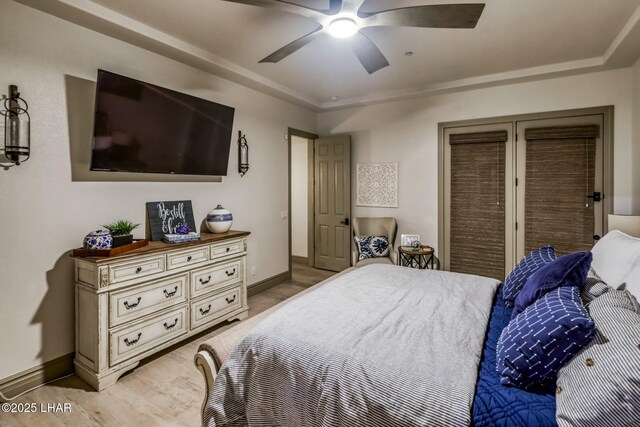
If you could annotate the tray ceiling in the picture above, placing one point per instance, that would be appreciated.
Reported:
(514, 40)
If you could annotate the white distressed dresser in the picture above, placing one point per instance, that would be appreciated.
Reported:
(135, 304)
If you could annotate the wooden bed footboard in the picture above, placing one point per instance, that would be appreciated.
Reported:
(207, 365)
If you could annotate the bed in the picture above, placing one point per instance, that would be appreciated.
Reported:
(391, 346)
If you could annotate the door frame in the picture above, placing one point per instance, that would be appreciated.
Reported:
(607, 113)
(311, 137)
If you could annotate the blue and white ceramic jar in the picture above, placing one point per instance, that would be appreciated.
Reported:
(219, 220)
(99, 239)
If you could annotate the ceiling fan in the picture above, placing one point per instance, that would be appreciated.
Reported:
(344, 19)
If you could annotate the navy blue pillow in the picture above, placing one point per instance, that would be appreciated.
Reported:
(568, 270)
(543, 338)
(372, 246)
(525, 268)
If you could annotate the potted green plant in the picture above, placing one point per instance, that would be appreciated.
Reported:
(121, 232)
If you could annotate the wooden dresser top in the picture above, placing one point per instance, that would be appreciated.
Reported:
(158, 246)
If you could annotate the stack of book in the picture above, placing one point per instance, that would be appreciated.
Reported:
(181, 238)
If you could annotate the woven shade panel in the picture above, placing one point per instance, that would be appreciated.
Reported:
(562, 132)
(478, 137)
(560, 173)
(477, 237)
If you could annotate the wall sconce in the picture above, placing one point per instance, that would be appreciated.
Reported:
(17, 135)
(243, 154)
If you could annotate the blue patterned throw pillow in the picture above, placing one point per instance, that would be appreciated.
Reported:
(372, 246)
(543, 338)
(568, 270)
(525, 268)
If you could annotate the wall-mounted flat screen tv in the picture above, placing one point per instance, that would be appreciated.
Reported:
(140, 127)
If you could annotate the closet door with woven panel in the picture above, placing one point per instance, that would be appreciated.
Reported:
(561, 183)
(479, 200)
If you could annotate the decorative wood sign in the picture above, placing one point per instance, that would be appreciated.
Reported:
(164, 217)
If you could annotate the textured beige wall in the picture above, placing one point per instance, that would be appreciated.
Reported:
(47, 205)
(407, 132)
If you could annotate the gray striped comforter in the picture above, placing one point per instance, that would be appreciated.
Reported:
(381, 346)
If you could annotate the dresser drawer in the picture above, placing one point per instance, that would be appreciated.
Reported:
(212, 277)
(133, 340)
(210, 308)
(223, 249)
(187, 257)
(136, 269)
(131, 304)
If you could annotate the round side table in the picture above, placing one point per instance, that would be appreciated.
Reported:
(415, 258)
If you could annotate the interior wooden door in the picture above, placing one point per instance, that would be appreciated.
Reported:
(560, 183)
(332, 194)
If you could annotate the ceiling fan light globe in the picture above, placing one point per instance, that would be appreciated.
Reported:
(343, 28)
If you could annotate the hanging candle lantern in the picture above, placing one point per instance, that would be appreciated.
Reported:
(243, 154)
(17, 146)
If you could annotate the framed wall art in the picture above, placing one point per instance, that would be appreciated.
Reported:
(377, 185)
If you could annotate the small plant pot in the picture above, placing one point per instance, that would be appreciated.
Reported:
(122, 240)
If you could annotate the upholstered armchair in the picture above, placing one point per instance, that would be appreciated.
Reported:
(384, 226)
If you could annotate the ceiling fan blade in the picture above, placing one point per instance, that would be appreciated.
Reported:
(287, 7)
(287, 50)
(368, 53)
(335, 6)
(352, 5)
(432, 16)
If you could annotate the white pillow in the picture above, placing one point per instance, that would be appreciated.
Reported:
(616, 259)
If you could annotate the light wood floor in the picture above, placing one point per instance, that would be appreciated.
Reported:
(166, 390)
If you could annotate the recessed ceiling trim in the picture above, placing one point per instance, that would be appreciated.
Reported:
(508, 77)
(623, 52)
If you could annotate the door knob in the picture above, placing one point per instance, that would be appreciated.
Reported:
(596, 237)
(345, 221)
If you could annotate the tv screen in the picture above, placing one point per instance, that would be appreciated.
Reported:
(140, 127)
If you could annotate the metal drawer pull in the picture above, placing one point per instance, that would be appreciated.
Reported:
(228, 248)
(189, 258)
(129, 306)
(132, 342)
(138, 270)
(203, 312)
(170, 294)
(230, 274)
(167, 327)
(204, 282)
(229, 301)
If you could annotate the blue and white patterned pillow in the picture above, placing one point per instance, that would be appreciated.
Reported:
(543, 338)
(372, 246)
(526, 267)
